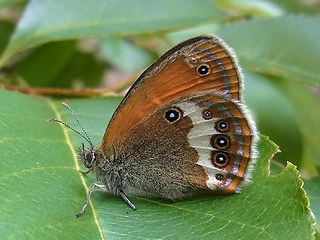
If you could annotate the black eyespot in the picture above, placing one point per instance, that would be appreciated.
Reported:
(219, 177)
(219, 159)
(203, 69)
(207, 114)
(172, 115)
(222, 126)
(220, 142)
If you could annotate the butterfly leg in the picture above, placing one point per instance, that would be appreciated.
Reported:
(93, 186)
(127, 201)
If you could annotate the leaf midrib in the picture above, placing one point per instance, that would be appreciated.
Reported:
(74, 157)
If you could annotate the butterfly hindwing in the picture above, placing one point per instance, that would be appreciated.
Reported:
(199, 143)
(224, 137)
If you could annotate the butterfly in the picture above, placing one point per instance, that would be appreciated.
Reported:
(181, 130)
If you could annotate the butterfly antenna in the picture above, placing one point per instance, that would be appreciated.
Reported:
(84, 134)
(79, 123)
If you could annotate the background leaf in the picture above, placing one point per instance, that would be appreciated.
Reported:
(260, 46)
(48, 57)
(312, 188)
(5, 3)
(40, 171)
(5, 31)
(125, 56)
(310, 7)
(251, 8)
(45, 20)
(276, 118)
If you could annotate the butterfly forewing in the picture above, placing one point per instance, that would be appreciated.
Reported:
(199, 64)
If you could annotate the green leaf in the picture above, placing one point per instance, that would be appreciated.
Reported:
(62, 65)
(126, 56)
(306, 106)
(277, 116)
(289, 106)
(84, 69)
(41, 188)
(38, 186)
(312, 189)
(5, 31)
(50, 59)
(310, 7)
(5, 3)
(286, 47)
(45, 21)
(256, 8)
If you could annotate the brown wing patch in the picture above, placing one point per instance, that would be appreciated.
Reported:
(159, 153)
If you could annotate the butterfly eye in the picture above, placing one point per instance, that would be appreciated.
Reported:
(203, 69)
(222, 126)
(173, 115)
(90, 157)
(219, 159)
(220, 142)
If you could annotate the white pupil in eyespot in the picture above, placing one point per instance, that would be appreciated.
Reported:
(172, 115)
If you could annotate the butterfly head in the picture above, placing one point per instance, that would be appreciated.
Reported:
(87, 156)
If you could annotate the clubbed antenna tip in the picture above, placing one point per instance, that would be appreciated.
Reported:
(66, 105)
